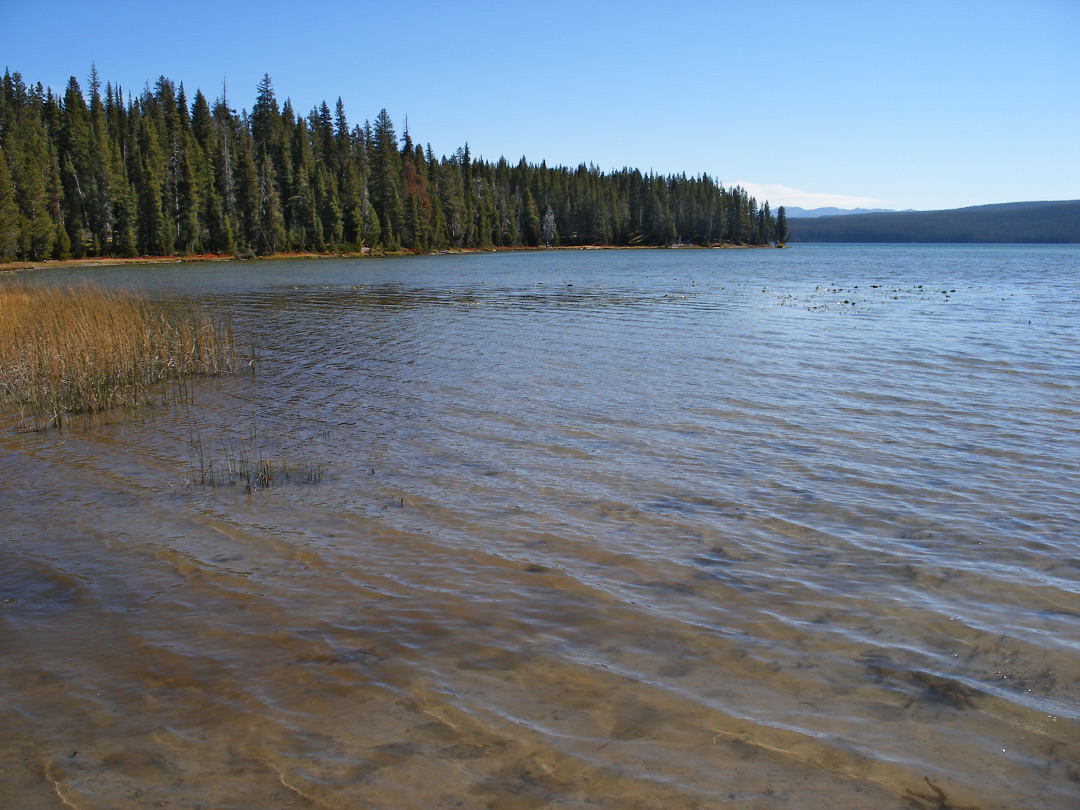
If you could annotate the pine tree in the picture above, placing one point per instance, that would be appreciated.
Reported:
(100, 216)
(62, 243)
(9, 214)
(437, 233)
(453, 201)
(153, 228)
(187, 196)
(121, 206)
(782, 232)
(329, 210)
(531, 224)
(224, 164)
(29, 173)
(305, 229)
(265, 121)
(202, 126)
(271, 224)
(73, 164)
(385, 182)
(351, 206)
(247, 191)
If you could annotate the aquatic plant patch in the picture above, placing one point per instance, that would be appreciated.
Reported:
(66, 351)
(250, 462)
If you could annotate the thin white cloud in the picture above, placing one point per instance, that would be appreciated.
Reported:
(786, 195)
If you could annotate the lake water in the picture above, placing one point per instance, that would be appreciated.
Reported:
(616, 529)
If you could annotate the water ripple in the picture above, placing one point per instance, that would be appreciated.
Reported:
(629, 528)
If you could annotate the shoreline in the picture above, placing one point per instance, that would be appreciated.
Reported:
(110, 261)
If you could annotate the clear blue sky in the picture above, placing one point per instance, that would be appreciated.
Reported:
(891, 104)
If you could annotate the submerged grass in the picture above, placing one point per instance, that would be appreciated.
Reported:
(248, 463)
(80, 350)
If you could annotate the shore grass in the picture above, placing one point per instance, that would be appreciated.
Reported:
(80, 350)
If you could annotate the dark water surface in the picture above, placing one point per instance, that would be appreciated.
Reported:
(619, 529)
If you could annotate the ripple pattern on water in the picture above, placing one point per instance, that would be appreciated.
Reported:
(626, 529)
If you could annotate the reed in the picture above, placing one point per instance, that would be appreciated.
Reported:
(66, 351)
(249, 463)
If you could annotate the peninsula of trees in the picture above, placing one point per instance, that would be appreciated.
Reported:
(155, 175)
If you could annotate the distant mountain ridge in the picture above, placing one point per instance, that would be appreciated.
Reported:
(1044, 222)
(795, 212)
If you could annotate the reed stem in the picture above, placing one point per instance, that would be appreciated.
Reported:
(65, 351)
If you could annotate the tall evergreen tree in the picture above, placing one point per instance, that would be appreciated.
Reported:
(385, 182)
(153, 230)
(30, 173)
(248, 193)
(188, 237)
(122, 212)
(782, 232)
(9, 214)
(532, 220)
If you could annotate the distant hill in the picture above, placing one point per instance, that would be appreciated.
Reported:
(794, 212)
(1023, 222)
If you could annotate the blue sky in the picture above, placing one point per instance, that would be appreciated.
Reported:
(886, 104)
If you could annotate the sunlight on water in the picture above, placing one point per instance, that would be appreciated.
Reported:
(620, 529)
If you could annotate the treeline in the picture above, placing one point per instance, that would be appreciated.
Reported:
(158, 175)
(1028, 222)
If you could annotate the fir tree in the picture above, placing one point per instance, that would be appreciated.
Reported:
(385, 181)
(153, 230)
(532, 220)
(187, 196)
(122, 211)
(29, 173)
(782, 232)
(9, 214)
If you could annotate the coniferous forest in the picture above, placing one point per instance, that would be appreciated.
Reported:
(158, 174)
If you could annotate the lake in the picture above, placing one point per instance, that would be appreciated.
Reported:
(617, 529)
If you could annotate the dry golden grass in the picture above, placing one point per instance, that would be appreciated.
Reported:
(85, 350)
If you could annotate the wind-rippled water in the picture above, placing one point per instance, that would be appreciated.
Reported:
(624, 529)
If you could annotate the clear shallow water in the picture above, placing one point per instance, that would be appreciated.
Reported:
(620, 529)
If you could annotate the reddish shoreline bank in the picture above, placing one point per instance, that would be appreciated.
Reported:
(108, 261)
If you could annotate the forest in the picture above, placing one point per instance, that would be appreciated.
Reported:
(1018, 222)
(100, 174)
